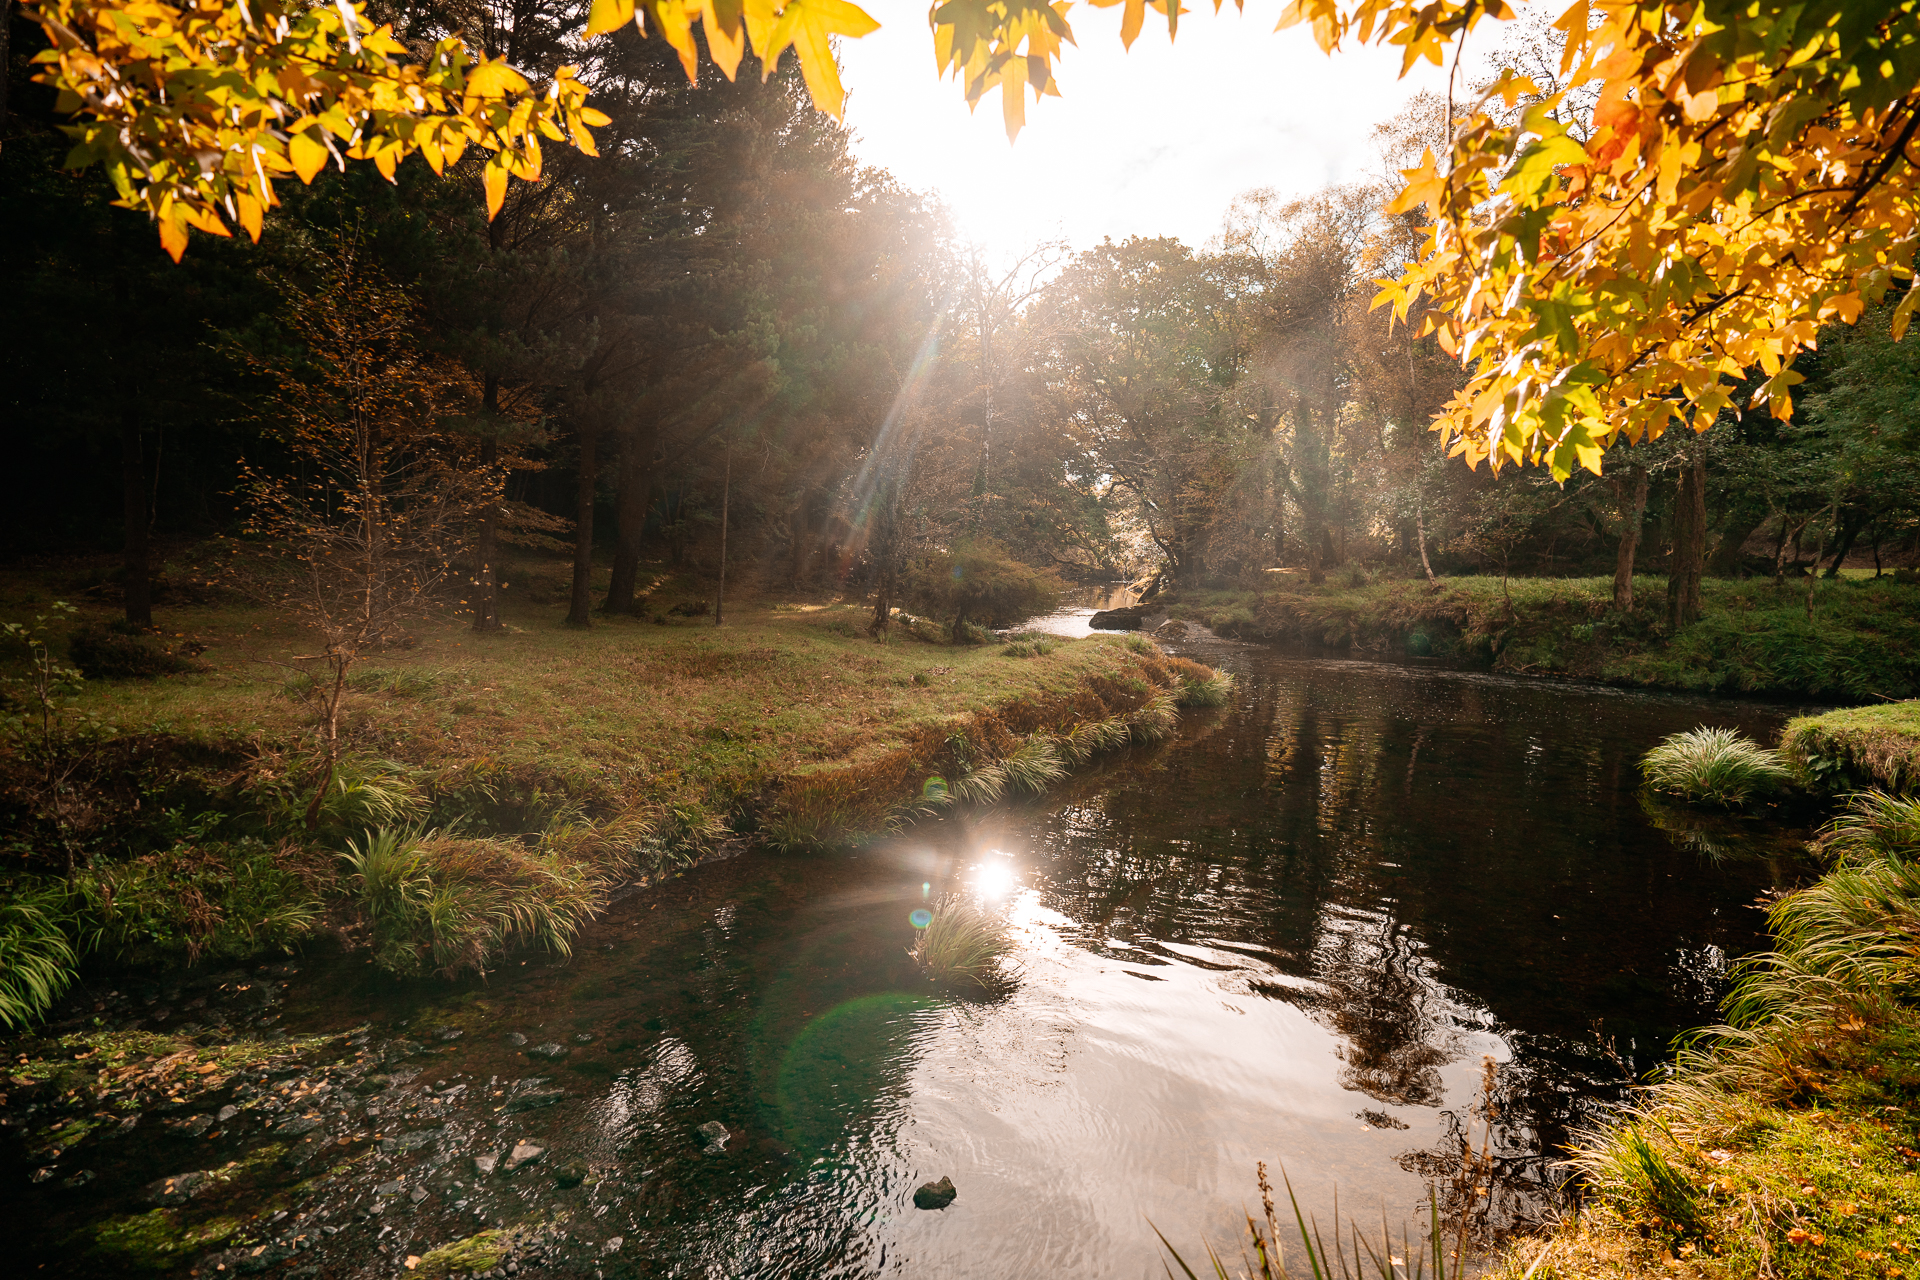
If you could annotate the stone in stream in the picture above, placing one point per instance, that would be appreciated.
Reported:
(550, 1051)
(1126, 618)
(485, 1164)
(524, 1153)
(515, 1039)
(935, 1195)
(569, 1175)
(227, 1113)
(295, 1126)
(534, 1101)
(716, 1135)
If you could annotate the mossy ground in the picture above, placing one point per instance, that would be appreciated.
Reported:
(1862, 642)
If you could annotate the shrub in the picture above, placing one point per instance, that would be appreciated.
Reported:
(962, 944)
(1717, 766)
(978, 581)
(36, 957)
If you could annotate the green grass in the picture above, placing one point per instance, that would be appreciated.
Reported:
(963, 944)
(1874, 746)
(37, 958)
(496, 787)
(1714, 766)
(1863, 641)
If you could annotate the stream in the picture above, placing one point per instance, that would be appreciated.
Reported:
(1296, 933)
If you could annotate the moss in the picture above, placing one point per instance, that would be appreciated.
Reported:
(476, 1253)
(1858, 747)
(158, 1240)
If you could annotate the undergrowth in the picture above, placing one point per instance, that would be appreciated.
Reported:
(962, 944)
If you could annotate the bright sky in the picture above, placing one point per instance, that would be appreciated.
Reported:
(1156, 141)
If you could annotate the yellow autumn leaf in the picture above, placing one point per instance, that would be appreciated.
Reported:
(608, 15)
(308, 156)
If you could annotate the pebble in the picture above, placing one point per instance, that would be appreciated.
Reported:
(484, 1165)
(524, 1153)
(515, 1039)
(227, 1113)
(550, 1051)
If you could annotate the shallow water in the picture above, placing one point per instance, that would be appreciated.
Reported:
(1292, 935)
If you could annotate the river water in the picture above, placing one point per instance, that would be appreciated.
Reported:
(1296, 933)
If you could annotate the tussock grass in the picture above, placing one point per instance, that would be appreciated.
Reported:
(37, 958)
(963, 944)
(441, 903)
(1714, 766)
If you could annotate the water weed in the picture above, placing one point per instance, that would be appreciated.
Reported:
(1714, 766)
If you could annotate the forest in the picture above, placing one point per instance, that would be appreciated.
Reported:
(621, 618)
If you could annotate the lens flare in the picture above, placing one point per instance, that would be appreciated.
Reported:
(994, 879)
(921, 918)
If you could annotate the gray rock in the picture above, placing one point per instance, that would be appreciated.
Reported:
(515, 1039)
(227, 1113)
(42, 1175)
(448, 1033)
(294, 1126)
(935, 1195)
(534, 1101)
(524, 1153)
(1175, 630)
(716, 1135)
(583, 1037)
(551, 1051)
(195, 1125)
(484, 1165)
(419, 1194)
(78, 1180)
(390, 1188)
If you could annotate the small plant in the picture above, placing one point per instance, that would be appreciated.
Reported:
(1200, 686)
(962, 944)
(1353, 1256)
(37, 958)
(1716, 766)
(1137, 643)
(1034, 766)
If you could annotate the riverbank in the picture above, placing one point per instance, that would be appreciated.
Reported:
(494, 791)
(1788, 1144)
(1862, 643)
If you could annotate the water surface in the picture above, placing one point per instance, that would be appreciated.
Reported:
(1294, 934)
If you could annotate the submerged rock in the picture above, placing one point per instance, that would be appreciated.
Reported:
(935, 1195)
(524, 1153)
(515, 1039)
(535, 1100)
(551, 1051)
(716, 1135)
(485, 1164)
(569, 1175)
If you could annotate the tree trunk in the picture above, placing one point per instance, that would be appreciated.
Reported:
(486, 591)
(1852, 524)
(631, 502)
(726, 497)
(580, 610)
(1726, 558)
(1632, 496)
(136, 566)
(1689, 544)
(1420, 530)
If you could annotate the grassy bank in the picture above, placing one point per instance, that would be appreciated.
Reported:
(1862, 642)
(1785, 1144)
(495, 789)
(1876, 746)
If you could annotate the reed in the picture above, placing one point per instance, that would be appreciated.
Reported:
(1714, 766)
(962, 944)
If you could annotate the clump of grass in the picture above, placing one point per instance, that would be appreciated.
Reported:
(1200, 685)
(963, 944)
(1715, 766)
(1155, 720)
(1633, 1167)
(37, 958)
(1094, 737)
(446, 904)
(481, 1252)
